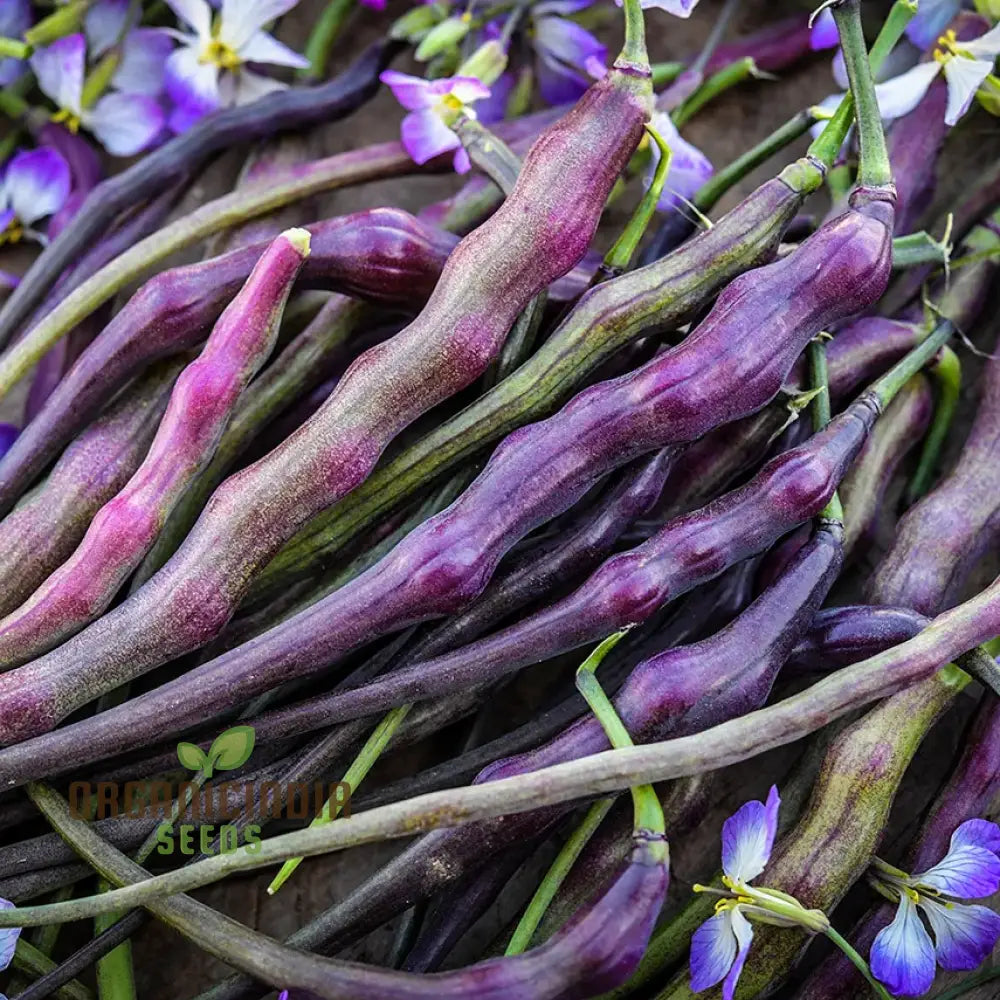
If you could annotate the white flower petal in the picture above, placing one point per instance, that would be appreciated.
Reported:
(964, 77)
(713, 951)
(144, 62)
(985, 46)
(242, 19)
(103, 24)
(190, 83)
(900, 95)
(195, 13)
(264, 48)
(125, 124)
(902, 954)
(59, 69)
(37, 183)
(247, 87)
(748, 838)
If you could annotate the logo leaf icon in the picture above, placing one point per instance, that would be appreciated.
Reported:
(232, 748)
(192, 757)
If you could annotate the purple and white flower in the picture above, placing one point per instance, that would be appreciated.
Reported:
(124, 123)
(433, 106)
(903, 955)
(15, 19)
(33, 185)
(679, 8)
(8, 935)
(719, 948)
(689, 166)
(563, 49)
(823, 32)
(931, 18)
(209, 69)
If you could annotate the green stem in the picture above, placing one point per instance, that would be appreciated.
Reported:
(728, 77)
(920, 248)
(820, 377)
(648, 811)
(889, 384)
(859, 963)
(32, 962)
(875, 169)
(618, 258)
(633, 54)
(389, 160)
(520, 940)
(666, 72)
(324, 33)
(14, 48)
(713, 189)
(115, 972)
(355, 774)
(490, 154)
(58, 24)
(980, 664)
(826, 147)
(722, 20)
(947, 374)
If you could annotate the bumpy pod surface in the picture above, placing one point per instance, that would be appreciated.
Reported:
(200, 406)
(384, 254)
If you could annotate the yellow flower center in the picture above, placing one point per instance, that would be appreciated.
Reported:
(67, 118)
(220, 54)
(14, 232)
(948, 47)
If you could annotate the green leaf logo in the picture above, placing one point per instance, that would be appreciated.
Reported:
(229, 750)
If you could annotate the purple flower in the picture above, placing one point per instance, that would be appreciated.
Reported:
(903, 955)
(209, 70)
(104, 23)
(8, 282)
(720, 946)
(563, 49)
(34, 185)
(433, 106)
(124, 124)
(824, 34)
(689, 167)
(931, 18)
(8, 936)
(15, 19)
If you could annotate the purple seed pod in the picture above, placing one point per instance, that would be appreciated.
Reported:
(841, 636)
(940, 539)
(384, 254)
(202, 401)
(285, 110)
(44, 529)
(773, 48)
(537, 473)
(674, 693)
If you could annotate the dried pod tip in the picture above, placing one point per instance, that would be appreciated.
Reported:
(299, 238)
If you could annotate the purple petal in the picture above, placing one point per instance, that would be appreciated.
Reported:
(713, 951)
(379, 4)
(561, 7)
(103, 24)
(191, 84)
(59, 69)
(744, 938)
(8, 935)
(425, 136)
(932, 17)
(839, 69)
(412, 92)
(964, 77)
(8, 281)
(143, 65)
(824, 33)
(15, 19)
(466, 88)
(125, 124)
(567, 42)
(183, 116)
(902, 954)
(242, 19)
(679, 8)
(7, 216)
(689, 167)
(195, 13)
(460, 161)
(8, 435)
(748, 837)
(964, 934)
(900, 95)
(37, 183)
(557, 83)
(264, 48)
(494, 108)
(966, 872)
(978, 833)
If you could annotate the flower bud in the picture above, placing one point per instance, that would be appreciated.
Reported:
(989, 8)
(442, 37)
(416, 23)
(486, 63)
